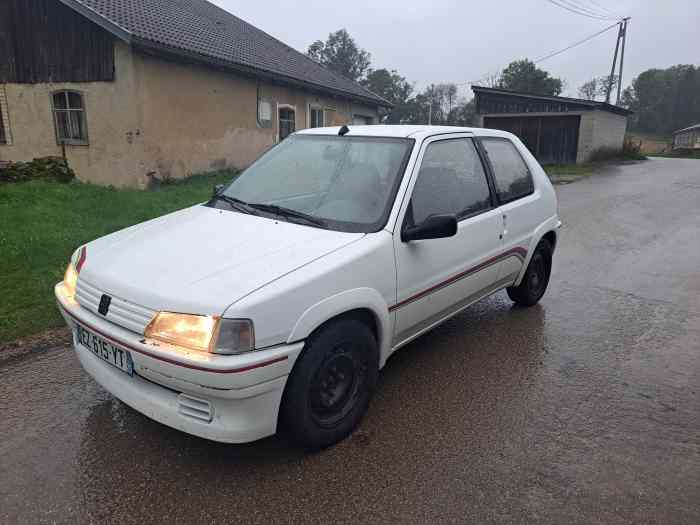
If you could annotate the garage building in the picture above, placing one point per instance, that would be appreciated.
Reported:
(557, 130)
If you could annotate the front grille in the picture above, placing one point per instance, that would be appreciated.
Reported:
(195, 408)
(121, 312)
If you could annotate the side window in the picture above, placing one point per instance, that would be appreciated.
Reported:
(513, 179)
(69, 117)
(451, 180)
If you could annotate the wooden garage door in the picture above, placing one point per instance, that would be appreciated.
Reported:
(552, 140)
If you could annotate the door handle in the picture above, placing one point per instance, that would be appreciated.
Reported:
(504, 232)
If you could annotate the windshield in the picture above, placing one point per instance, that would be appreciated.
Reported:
(344, 183)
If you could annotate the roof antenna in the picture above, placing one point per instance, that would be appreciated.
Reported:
(343, 131)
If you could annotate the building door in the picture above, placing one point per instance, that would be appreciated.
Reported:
(287, 122)
(552, 140)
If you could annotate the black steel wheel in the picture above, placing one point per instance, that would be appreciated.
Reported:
(536, 278)
(331, 384)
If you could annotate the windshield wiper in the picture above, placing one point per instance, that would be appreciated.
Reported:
(288, 213)
(236, 204)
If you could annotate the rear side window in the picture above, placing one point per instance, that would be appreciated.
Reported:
(513, 179)
(451, 180)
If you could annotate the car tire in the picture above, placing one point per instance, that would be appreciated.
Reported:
(331, 384)
(536, 278)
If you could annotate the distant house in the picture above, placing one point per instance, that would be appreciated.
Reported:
(135, 88)
(557, 130)
(687, 138)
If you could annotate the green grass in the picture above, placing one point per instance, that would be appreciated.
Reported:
(580, 170)
(42, 223)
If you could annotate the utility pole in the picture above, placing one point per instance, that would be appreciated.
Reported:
(608, 91)
(622, 58)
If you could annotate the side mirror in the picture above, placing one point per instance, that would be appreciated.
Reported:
(434, 227)
(217, 189)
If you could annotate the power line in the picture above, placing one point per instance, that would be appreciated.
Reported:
(575, 44)
(603, 8)
(555, 53)
(580, 10)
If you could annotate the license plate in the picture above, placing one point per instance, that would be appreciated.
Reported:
(105, 350)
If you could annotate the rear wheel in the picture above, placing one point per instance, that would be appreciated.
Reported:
(536, 278)
(331, 384)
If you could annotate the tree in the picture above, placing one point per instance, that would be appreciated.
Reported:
(589, 90)
(597, 88)
(341, 54)
(393, 87)
(525, 76)
(664, 100)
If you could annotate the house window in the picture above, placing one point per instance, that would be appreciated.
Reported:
(362, 120)
(69, 117)
(264, 114)
(3, 138)
(316, 119)
(287, 121)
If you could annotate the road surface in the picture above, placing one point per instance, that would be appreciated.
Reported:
(584, 409)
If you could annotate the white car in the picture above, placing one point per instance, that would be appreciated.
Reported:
(279, 300)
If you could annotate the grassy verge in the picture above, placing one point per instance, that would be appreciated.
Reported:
(685, 155)
(579, 170)
(42, 223)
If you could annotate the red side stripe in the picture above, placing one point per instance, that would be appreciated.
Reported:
(517, 251)
(178, 363)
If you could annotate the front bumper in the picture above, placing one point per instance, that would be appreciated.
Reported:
(240, 395)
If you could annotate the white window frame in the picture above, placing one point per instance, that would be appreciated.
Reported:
(83, 141)
(277, 122)
(262, 123)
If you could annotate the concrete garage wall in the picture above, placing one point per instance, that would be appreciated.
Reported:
(159, 118)
(110, 113)
(600, 129)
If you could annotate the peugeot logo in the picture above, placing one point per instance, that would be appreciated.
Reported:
(105, 301)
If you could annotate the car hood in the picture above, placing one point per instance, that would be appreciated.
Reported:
(201, 259)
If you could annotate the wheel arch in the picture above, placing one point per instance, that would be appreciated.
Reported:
(547, 230)
(365, 304)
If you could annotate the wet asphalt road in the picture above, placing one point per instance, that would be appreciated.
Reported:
(584, 409)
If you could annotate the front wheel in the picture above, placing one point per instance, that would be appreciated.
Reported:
(536, 278)
(331, 384)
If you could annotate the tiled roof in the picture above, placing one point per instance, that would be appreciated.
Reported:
(203, 31)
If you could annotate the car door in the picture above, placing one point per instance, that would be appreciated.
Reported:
(436, 277)
(518, 201)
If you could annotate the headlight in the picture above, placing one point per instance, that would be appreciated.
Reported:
(70, 279)
(202, 332)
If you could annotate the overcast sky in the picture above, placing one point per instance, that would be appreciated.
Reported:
(461, 40)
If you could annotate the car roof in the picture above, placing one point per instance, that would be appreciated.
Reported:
(403, 131)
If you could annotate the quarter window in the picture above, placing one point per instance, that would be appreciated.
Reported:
(287, 122)
(512, 177)
(69, 117)
(316, 118)
(451, 180)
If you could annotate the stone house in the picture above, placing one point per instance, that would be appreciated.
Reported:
(130, 89)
